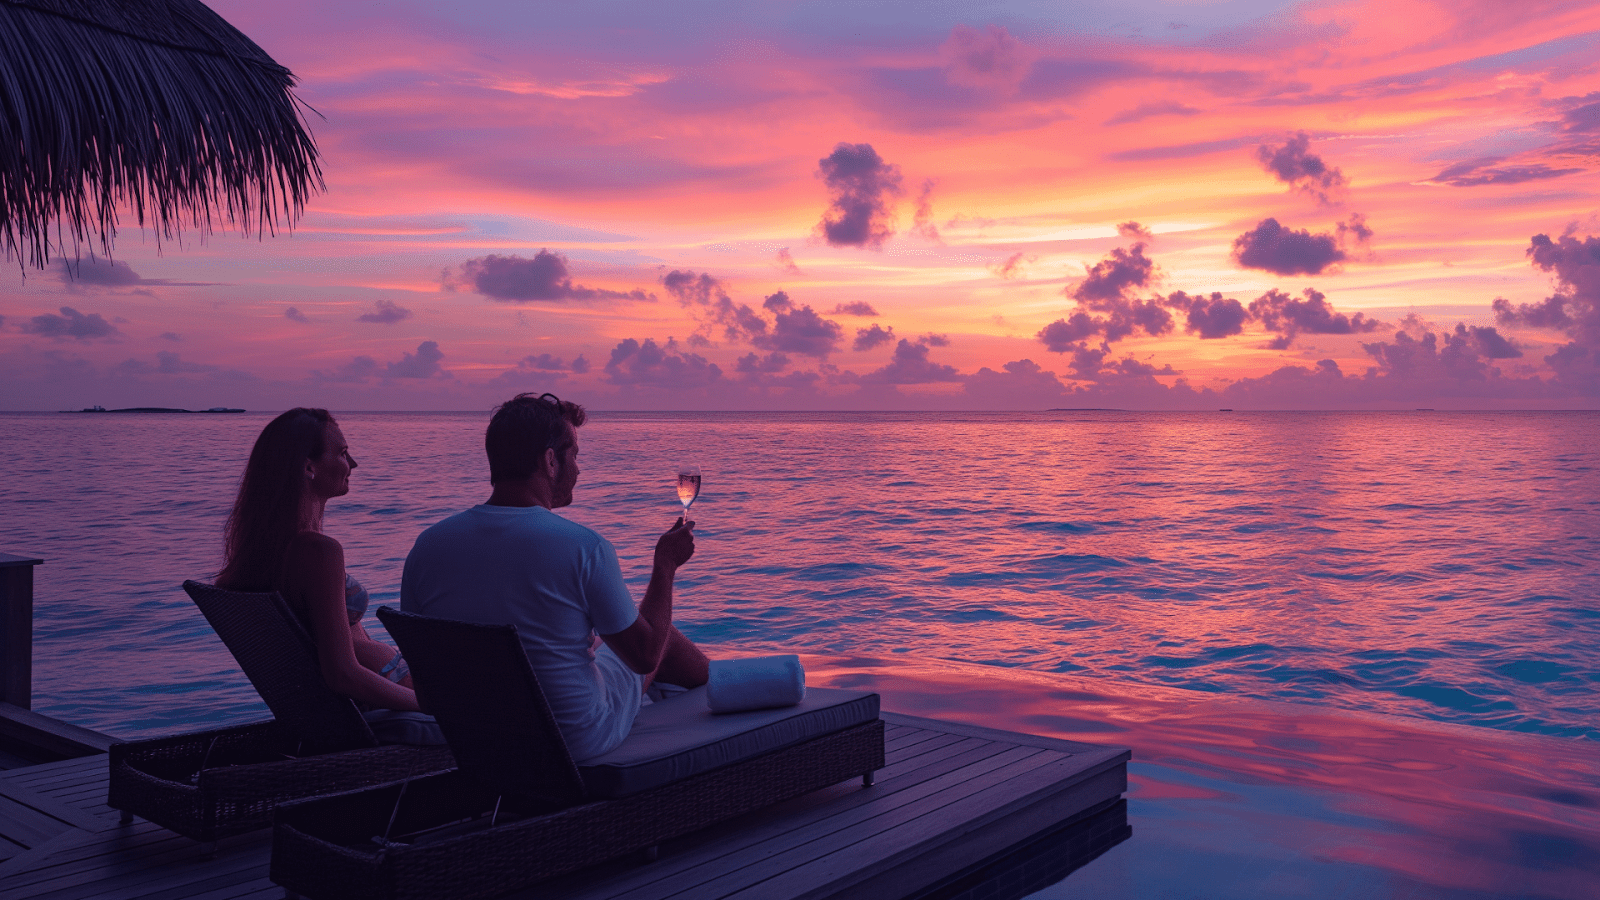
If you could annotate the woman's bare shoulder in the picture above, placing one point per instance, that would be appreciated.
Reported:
(312, 547)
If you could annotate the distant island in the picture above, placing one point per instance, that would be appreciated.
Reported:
(158, 409)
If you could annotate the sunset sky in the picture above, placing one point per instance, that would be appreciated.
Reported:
(1015, 205)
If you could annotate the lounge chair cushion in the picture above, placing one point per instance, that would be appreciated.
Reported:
(679, 737)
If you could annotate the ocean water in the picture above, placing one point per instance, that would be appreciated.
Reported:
(1441, 566)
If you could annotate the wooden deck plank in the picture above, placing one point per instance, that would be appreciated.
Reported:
(64, 772)
(691, 874)
(904, 736)
(948, 794)
(738, 872)
(41, 803)
(147, 869)
(22, 824)
(986, 828)
(140, 839)
(917, 748)
(774, 824)
(259, 887)
(116, 851)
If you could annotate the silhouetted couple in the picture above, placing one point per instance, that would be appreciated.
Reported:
(508, 561)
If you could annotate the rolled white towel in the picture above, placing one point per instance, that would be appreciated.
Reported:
(755, 682)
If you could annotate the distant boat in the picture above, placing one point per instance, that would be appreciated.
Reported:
(1224, 410)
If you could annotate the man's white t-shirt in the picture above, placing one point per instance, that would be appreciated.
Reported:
(560, 584)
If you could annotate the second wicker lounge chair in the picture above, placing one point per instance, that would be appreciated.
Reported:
(520, 809)
(212, 784)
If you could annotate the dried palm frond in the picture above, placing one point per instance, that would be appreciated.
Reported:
(158, 105)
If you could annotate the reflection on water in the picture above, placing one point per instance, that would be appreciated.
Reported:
(1440, 567)
(1040, 862)
(1437, 565)
(1238, 798)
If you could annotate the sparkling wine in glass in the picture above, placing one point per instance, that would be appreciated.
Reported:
(688, 487)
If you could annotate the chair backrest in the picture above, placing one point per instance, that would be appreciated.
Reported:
(476, 681)
(280, 659)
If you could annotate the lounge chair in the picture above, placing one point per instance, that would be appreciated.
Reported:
(212, 784)
(520, 809)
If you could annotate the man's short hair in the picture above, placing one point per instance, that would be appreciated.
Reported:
(525, 426)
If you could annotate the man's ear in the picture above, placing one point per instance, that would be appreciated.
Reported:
(552, 464)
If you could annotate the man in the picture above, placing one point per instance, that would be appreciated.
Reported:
(513, 561)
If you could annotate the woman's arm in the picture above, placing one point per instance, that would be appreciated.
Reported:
(370, 653)
(314, 570)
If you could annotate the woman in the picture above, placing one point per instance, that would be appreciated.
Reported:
(274, 542)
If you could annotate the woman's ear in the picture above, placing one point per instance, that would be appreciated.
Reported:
(311, 469)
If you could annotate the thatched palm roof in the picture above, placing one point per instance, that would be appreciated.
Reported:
(159, 105)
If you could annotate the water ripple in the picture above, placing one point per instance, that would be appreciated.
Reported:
(1442, 566)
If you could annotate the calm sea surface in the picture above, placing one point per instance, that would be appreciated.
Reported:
(1434, 565)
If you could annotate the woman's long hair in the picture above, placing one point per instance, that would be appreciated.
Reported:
(266, 515)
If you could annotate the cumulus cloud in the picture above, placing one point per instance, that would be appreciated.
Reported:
(863, 188)
(1105, 307)
(911, 365)
(786, 262)
(793, 329)
(1133, 231)
(708, 298)
(71, 325)
(989, 58)
(1354, 229)
(422, 364)
(869, 338)
(514, 279)
(1291, 317)
(797, 329)
(1121, 271)
(1295, 165)
(752, 364)
(1022, 382)
(1463, 355)
(1210, 317)
(384, 312)
(651, 365)
(922, 219)
(356, 370)
(1475, 172)
(294, 314)
(1285, 251)
(1574, 308)
(1064, 334)
(545, 362)
(854, 308)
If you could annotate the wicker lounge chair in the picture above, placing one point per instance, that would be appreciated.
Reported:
(520, 809)
(211, 784)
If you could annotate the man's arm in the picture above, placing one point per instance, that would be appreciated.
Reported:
(643, 644)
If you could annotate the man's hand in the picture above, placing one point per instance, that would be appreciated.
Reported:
(676, 546)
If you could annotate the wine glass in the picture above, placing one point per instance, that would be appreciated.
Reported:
(688, 487)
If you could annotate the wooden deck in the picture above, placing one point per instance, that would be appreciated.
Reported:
(958, 812)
